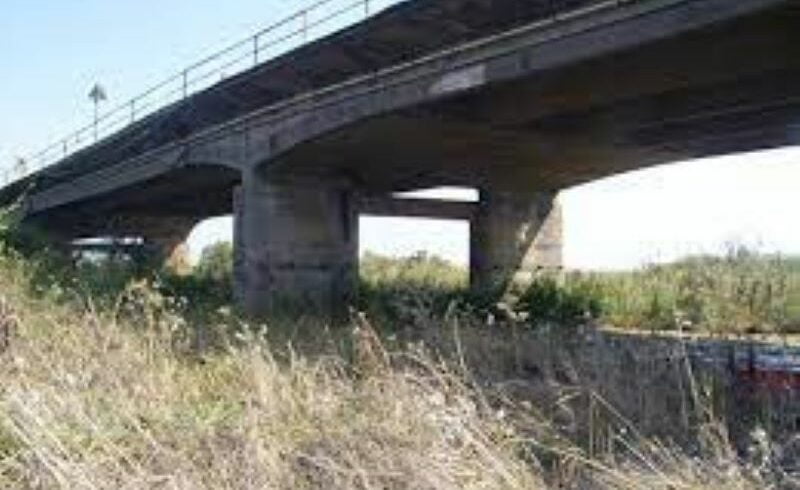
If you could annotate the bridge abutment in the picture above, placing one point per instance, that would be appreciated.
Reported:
(512, 236)
(295, 246)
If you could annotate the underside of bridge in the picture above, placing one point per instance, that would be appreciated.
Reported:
(728, 87)
(576, 105)
(733, 86)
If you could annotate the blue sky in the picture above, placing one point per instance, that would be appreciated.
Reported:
(53, 51)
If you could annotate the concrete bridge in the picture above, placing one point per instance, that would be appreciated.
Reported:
(517, 98)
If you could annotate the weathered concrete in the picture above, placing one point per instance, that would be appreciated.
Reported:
(553, 104)
(296, 246)
(417, 208)
(512, 236)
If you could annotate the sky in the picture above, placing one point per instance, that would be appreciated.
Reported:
(53, 51)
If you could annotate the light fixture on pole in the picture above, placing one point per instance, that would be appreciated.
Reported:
(97, 95)
(20, 167)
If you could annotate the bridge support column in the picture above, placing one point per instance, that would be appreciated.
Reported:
(166, 238)
(172, 253)
(512, 236)
(296, 246)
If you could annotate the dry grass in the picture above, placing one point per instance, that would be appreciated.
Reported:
(92, 404)
(121, 398)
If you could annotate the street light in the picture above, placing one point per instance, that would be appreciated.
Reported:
(21, 167)
(97, 94)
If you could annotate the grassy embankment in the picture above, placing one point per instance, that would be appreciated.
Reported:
(127, 390)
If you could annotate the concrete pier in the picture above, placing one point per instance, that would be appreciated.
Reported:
(296, 246)
(167, 241)
(512, 236)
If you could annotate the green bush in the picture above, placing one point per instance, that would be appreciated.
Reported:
(216, 263)
(568, 301)
(405, 290)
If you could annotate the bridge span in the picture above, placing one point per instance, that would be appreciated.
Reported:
(517, 98)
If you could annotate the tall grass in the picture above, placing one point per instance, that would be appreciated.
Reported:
(119, 394)
(739, 293)
(742, 292)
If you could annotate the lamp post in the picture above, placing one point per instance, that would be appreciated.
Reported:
(97, 95)
(21, 167)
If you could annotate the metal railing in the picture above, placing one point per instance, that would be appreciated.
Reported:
(312, 22)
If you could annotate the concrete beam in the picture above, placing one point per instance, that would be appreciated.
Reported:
(417, 208)
(109, 247)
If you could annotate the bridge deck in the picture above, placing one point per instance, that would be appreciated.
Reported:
(402, 33)
(605, 88)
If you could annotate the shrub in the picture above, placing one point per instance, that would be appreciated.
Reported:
(216, 263)
(403, 291)
(568, 301)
